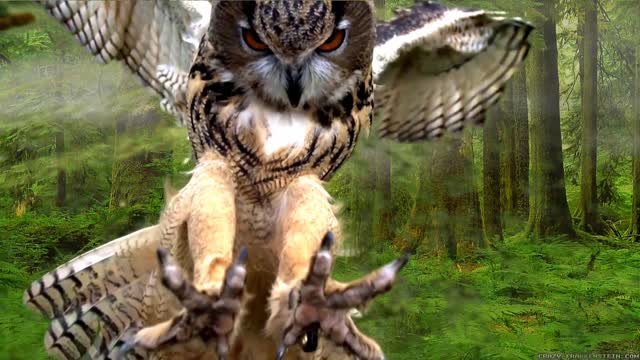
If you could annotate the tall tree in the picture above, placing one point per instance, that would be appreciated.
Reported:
(520, 111)
(384, 213)
(416, 226)
(549, 211)
(473, 226)
(448, 188)
(363, 180)
(491, 201)
(590, 220)
(635, 203)
(513, 129)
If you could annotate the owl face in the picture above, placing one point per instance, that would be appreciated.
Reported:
(294, 54)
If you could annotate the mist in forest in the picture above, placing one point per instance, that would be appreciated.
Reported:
(525, 232)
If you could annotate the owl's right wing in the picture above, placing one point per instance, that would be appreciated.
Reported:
(438, 69)
(155, 39)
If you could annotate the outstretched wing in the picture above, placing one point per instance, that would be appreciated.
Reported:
(439, 68)
(156, 39)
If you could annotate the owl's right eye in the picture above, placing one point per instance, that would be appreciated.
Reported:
(253, 41)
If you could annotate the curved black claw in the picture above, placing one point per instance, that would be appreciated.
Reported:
(316, 310)
(209, 317)
(310, 339)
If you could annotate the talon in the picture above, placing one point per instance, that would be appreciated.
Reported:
(222, 349)
(327, 241)
(282, 349)
(128, 345)
(243, 256)
(204, 316)
(162, 255)
(315, 310)
(310, 339)
(236, 275)
(124, 349)
(171, 274)
(403, 261)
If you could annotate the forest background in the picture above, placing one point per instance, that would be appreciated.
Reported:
(526, 232)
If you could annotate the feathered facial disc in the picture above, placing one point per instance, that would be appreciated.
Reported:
(291, 54)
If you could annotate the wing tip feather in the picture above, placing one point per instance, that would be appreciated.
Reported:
(512, 38)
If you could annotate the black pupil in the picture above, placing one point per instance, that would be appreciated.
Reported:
(255, 36)
(332, 37)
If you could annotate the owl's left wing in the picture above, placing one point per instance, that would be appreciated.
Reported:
(437, 69)
(155, 39)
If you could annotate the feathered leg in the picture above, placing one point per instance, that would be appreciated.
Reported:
(304, 301)
(212, 299)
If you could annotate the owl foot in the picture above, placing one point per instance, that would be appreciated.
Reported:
(210, 318)
(316, 308)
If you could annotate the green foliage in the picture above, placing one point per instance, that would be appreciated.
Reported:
(515, 301)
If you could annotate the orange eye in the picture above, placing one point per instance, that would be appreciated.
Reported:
(334, 41)
(253, 41)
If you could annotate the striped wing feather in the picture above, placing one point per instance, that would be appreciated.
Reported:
(439, 68)
(155, 39)
(95, 298)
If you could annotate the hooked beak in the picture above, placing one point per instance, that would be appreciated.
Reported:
(294, 88)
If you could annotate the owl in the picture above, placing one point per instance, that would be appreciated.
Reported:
(274, 95)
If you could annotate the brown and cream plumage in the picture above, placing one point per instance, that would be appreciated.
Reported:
(274, 95)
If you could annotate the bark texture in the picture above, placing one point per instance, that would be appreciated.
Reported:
(590, 220)
(384, 231)
(549, 211)
(491, 202)
(520, 111)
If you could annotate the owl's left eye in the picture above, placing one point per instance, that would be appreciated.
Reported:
(334, 41)
(253, 41)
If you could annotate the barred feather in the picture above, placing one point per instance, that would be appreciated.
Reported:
(93, 299)
(156, 39)
(440, 68)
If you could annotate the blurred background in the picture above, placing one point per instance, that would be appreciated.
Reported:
(526, 232)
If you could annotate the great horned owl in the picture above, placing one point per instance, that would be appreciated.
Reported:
(274, 94)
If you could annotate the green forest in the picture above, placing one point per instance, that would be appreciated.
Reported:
(525, 232)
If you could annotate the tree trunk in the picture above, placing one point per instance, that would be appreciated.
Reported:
(384, 232)
(364, 180)
(513, 130)
(416, 226)
(506, 148)
(491, 203)
(449, 188)
(521, 149)
(473, 227)
(549, 211)
(635, 203)
(369, 200)
(590, 220)
(444, 209)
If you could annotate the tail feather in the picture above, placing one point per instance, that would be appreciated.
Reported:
(89, 277)
(115, 349)
(93, 299)
(87, 328)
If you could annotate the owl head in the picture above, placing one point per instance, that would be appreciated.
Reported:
(294, 54)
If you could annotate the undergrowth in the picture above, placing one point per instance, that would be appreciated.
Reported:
(515, 301)
(518, 300)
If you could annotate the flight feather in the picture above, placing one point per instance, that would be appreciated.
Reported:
(437, 68)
